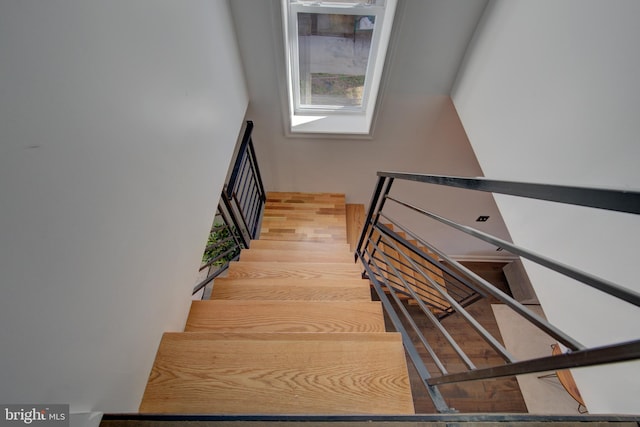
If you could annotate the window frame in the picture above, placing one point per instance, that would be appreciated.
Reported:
(329, 118)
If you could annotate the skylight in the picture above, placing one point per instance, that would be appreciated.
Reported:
(335, 54)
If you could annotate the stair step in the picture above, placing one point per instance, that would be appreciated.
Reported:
(299, 246)
(285, 316)
(302, 200)
(298, 270)
(279, 373)
(279, 255)
(297, 232)
(321, 212)
(291, 289)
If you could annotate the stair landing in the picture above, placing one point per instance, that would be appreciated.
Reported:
(318, 217)
(280, 289)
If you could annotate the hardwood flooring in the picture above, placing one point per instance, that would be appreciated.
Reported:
(283, 316)
(268, 255)
(292, 289)
(281, 373)
(355, 221)
(304, 217)
(290, 330)
(295, 270)
(501, 395)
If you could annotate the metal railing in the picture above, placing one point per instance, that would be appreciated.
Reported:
(402, 265)
(238, 215)
(245, 191)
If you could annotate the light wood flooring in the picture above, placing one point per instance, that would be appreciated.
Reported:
(304, 217)
(236, 358)
(292, 329)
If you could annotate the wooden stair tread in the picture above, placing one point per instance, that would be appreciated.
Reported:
(303, 236)
(285, 255)
(302, 198)
(325, 211)
(299, 270)
(291, 289)
(296, 231)
(291, 330)
(292, 373)
(301, 246)
(285, 316)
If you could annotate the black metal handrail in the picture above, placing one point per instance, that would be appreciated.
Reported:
(245, 190)
(602, 198)
(239, 212)
(399, 263)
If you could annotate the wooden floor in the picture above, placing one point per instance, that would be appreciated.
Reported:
(292, 329)
(278, 373)
(303, 316)
(292, 289)
(304, 217)
(355, 222)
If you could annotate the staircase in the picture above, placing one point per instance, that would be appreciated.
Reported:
(291, 329)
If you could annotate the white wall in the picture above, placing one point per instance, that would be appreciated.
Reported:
(550, 93)
(117, 124)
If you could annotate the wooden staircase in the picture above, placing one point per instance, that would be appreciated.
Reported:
(291, 330)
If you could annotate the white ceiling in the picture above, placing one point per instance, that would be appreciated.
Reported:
(417, 128)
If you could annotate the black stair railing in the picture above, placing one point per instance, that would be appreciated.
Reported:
(401, 264)
(245, 190)
(239, 212)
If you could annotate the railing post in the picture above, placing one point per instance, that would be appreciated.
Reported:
(377, 203)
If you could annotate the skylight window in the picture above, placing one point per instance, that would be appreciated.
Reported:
(335, 54)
